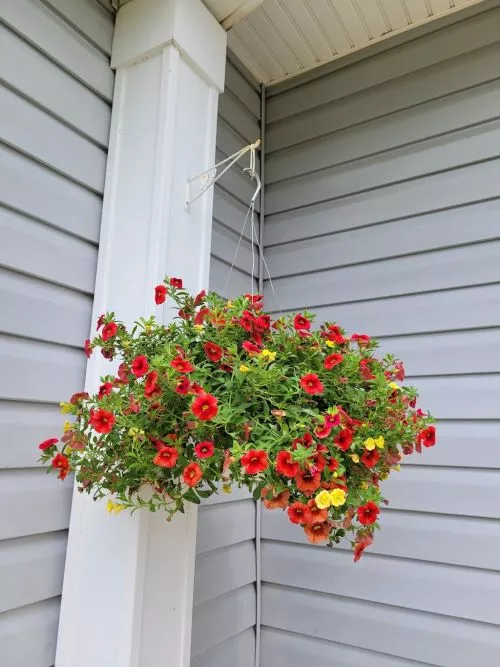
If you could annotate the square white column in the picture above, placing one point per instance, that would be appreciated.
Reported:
(128, 585)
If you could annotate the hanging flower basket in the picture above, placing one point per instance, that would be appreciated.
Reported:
(309, 421)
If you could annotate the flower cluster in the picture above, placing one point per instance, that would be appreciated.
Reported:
(308, 419)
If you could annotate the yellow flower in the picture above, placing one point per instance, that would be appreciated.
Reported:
(354, 458)
(65, 408)
(370, 444)
(323, 500)
(244, 369)
(383, 476)
(330, 343)
(267, 355)
(226, 488)
(337, 497)
(393, 385)
(135, 432)
(364, 485)
(335, 474)
(67, 427)
(229, 304)
(380, 442)
(114, 508)
(397, 468)
(199, 327)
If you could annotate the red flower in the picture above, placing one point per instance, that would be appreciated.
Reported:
(139, 366)
(317, 515)
(333, 464)
(151, 387)
(109, 330)
(361, 339)
(192, 474)
(285, 466)
(323, 430)
(301, 322)
(133, 406)
(100, 322)
(61, 463)
(343, 439)
(427, 437)
(308, 482)
(105, 389)
(262, 323)
(368, 514)
(213, 351)
(333, 360)
(275, 502)
(204, 450)
(319, 463)
(254, 461)
(167, 456)
(255, 300)
(370, 459)
(306, 441)
(196, 388)
(311, 384)
(200, 316)
(363, 540)
(365, 369)
(205, 407)
(299, 513)
(176, 282)
(79, 397)
(108, 354)
(226, 368)
(87, 347)
(102, 421)
(332, 420)
(160, 294)
(318, 532)
(200, 298)
(47, 444)
(251, 348)
(399, 371)
(183, 386)
(247, 320)
(334, 334)
(181, 365)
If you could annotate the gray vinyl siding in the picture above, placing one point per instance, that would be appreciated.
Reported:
(383, 213)
(55, 99)
(224, 612)
(238, 126)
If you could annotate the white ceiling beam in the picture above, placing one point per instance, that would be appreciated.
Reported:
(239, 14)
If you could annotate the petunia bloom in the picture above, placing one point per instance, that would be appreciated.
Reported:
(160, 294)
(139, 366)
(204, 450)
(192, 474)
(109, 330)
(205, 407)
(102, 421)
(308, 482)
(301, 322)
(285, 465)
(343, 439)
(427, 437)
(182, 365)
(151, 387)
(299, 513)
(254, 461)
(311, 384)
(318, 515)
(368, 513)
(370, 458)
(176, 282)
(363, 540)
(333, 360)
(61, 463)
(279, 501)
(87, 347)
(167, 457)
(183, 385)
(318, 532)
(213, 351)
(105, 389)
(47, 444)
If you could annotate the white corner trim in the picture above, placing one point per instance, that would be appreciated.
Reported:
(144, 27)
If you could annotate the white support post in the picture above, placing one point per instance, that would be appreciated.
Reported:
(128, 585)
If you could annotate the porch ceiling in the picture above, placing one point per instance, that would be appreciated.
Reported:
(277, 39)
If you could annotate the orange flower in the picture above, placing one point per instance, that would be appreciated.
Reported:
(318, 516)
(276, 502)
(307, 482)
(317, 532)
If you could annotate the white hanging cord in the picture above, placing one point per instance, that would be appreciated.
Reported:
(209, 177)
(263, 259)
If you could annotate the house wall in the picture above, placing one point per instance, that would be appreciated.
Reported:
(224, 613)
(55, 96)
(382, 213)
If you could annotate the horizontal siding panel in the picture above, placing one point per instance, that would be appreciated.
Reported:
(297, 650)
(439, 116)
(428, 537)
(35, 371)
(242, 90)
(409, 58)
(22, 427)
(239, 118)
(238, 183)
(225, 247)
(230, 212)
(474, 493)
(236, 494)
(48, 312)
(450, 189)
(221, 571)
(407, 634)
(433, 231)
(219, 619)
(220, 525)
(468, 308)
(434, 82)
(31, 569)
(32, 131)
(28, 635)
(431, 587)
(238, 651)
(88, 16)
(52, 197)
(239, 282)
(446, 269)
(50, 497)
(44, 252)
(36, 77)
(429, 156)
(447, 354)
(54, 37)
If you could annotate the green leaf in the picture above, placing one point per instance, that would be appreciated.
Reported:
(191, 496)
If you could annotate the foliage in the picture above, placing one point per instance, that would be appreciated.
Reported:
(309, 420)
